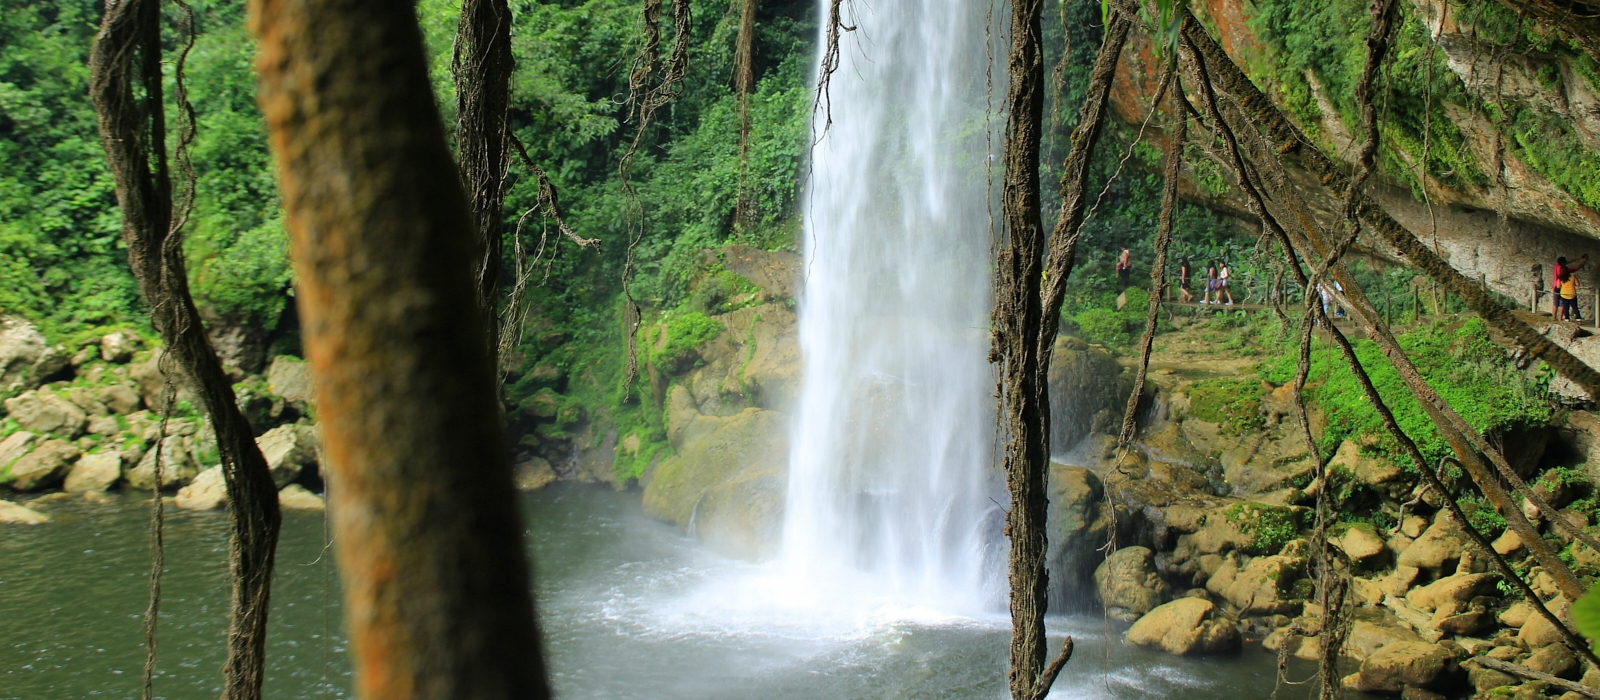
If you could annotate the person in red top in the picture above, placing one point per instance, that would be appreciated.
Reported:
(1555, 281)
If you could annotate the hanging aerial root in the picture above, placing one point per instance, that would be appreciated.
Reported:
(1158, 270)
(547, 203)
(830, 64)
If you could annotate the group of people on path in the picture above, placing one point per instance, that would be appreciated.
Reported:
(1216, 282)
(1564, 303)
(1216, 279)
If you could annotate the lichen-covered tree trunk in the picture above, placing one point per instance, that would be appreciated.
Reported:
(1024, 404)
(426, 529)
(483, 65)
(126, 88)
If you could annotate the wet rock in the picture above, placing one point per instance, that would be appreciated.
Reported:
(1373, 631)
(44, 412)
(1128, 583)
(1365, 469)
(1555, 660)
(103, 425)
(1438, 547)
(1264, 462)
(21, 347)
(290, 378)
(13, 514)
(119, 346)
(288, 449)
(1455, 589)
(1401, 665)
(1508, 543)
(1076, 529)
(177, 466)
(96, 471)
(726, 484)
(1084, 381)
(45, 466)
(297, 497)
(1263, 586)
(533, 473)
(1185, 626)
(208, 491)
(1361, 543)
(1539, 632)
(1484, 680)
(14, 446)
(120, 398)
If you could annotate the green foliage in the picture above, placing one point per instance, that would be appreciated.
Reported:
(1234, 404)
(1586, 615)
(671, 342)
(1467, 370)
(1482, 515)
(1103, 326)
(1271, 527)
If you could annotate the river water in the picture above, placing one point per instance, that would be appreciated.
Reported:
(630, 608)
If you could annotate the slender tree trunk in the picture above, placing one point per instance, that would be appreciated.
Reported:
(429, 541)
(744, 82)
(126, 88)
(1075, 181)
(1024, 400)
(483, 65)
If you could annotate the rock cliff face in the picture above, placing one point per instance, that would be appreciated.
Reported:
(1544, 218)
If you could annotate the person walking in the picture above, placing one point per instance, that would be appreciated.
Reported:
(1184, 271)
(1555, 281)
(1222, 283)
(1211, 283)
(1567, 297)
(1124, 269)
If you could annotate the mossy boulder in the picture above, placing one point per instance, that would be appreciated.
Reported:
(727, 482)
(1076, 530)
(1084, 381)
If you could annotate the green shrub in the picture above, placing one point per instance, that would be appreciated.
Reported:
(1103, 326)
(1271, 527)
(684, 333)
(1234, 404)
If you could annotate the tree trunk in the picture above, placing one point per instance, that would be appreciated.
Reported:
(126, 88)
(426, 528)
(483, 65)
(1024, 402)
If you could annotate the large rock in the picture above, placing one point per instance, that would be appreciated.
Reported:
(297, 497)
(1439, 547)
(288, 449)
(290, 378)
(1451, 590)
(726, 485)
(98, 471)
(1402, 665)
(1128, 583)
(44, 412)
(118, 346)
(25, 358)
(1360, 542)
(1076, 530)
(1365, 469)
(13, 514)
(1185, 626)
(14, 446)
(208, 491)
(754, 362)
(177, 466)
(1538, 632)
(1084, 381)
(533, 473)
(1262, 587)
(120, 398)
(1268, 461)
(45, 466)
(1374, 630)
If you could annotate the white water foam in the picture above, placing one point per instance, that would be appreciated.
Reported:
(890, 505)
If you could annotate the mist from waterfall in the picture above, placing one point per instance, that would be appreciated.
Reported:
(889, 480)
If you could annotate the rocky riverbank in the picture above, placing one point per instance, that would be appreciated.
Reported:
(84, 419)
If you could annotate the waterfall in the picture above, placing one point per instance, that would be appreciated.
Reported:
(890, 461)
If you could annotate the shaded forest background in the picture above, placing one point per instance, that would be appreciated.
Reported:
(63, 268)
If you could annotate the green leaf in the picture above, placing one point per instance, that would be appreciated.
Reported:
(1586, 614)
